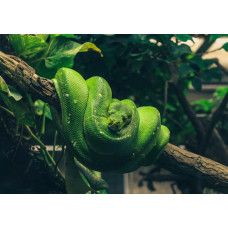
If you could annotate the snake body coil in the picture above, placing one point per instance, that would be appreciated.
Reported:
(106, 134)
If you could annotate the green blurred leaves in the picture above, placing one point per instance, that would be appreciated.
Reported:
(183, 37)
(203, 104)
(197, 84)
(177, 51)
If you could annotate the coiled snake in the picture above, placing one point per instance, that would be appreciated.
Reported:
(105, 134)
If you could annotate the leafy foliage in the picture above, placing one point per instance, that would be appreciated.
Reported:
(49, 53)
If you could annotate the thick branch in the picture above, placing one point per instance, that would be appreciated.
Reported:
(193, 166)
(26, 78)
(173, 158)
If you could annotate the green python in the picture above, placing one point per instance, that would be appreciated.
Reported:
(106, 134)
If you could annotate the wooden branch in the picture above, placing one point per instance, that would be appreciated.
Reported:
(26, 78)
(193, 166)
(179, 161)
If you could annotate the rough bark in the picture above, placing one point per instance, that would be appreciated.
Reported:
(26, 78)
(174, 159)
(212, 174)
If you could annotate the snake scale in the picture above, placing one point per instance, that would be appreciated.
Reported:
(106, 134)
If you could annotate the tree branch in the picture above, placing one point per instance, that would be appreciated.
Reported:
(214, 174)
(26, 78)
(193, 166)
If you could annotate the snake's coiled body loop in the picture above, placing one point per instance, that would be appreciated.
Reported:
(106, 134)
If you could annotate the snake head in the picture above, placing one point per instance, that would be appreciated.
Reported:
(119, 116)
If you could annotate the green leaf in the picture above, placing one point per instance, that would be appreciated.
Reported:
(68, 35)
(216, 36)
(9, 90)
(62, 52)
(38, 105)
(65, 35)
(42, 36)
(178, 50)
(74, 182)
(95, 180)
(20, 110)
(27, 45)
(184, 37)
(213, 73)
(197, 84)
(225, 46)
(203, 64)
(203, 104)
(184, 70)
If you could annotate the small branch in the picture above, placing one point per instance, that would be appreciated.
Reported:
(208, 52)
(205, 45)
(216, 61)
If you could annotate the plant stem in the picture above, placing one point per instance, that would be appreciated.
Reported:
(43, 120)
(54, 144)
(7, 110)
(44, 149)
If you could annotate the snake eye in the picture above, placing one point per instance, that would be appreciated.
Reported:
(110, 112)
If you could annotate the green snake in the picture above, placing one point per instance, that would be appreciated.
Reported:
(106, 134)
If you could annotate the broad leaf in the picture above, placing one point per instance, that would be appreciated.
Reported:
(212, 73)
(74, 182)
(197, 84)
(27, 45)
(9, 90)
(62, 52)
(178, 50)
(183, 37)
(42, 36)
(39, 105)
(20, 110)
(184, 70)
(203, 64)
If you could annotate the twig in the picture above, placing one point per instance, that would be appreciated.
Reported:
(205, 45)
(216, 61)
(208, 52)
(54, 144)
